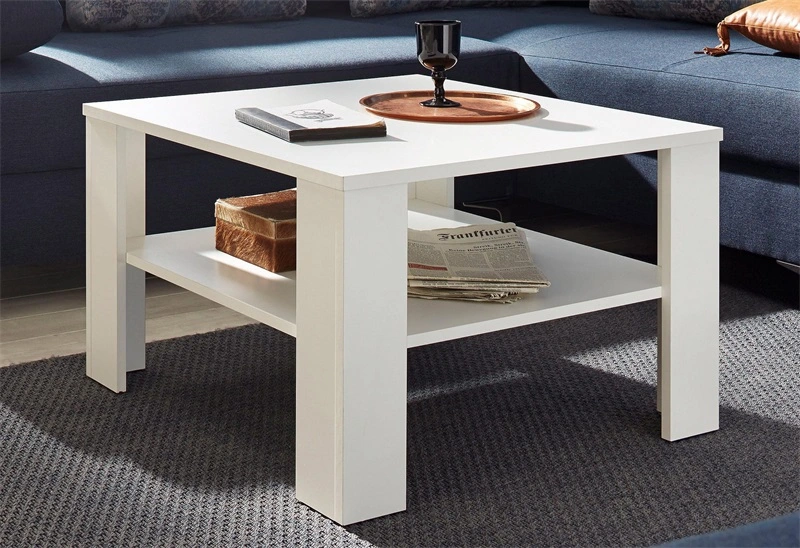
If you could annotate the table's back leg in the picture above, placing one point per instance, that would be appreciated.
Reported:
(437, 191)
(351, 350)
(688, 253)
(115, 191)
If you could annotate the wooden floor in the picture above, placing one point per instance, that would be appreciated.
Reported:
(42, 325)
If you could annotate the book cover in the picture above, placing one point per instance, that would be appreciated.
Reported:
(320, 120)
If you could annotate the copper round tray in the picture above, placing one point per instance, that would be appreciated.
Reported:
(475, 106)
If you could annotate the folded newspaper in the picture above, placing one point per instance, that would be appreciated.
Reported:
(490, 263)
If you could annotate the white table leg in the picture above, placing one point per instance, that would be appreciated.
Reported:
(688, 253)
(351, 350)
(115, 187)
(436, 191)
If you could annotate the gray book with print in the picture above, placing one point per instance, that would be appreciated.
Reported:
(317, 121)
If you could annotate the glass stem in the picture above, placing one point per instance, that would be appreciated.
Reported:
(438, 82)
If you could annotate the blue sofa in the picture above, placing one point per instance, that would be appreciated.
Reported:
(554, 50)
(780, 532)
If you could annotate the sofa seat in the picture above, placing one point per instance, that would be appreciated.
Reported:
(650, 67)
(562, 51)
(43, 157)
(45, 89)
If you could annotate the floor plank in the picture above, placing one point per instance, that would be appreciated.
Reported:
(190, 323)
(157, 328)
(40, 348)
(61, 320)
(43, 325)
(56, 301)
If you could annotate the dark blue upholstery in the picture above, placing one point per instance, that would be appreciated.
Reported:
(27, 24)
(632, 64)
(43, 214)
(759, 205)
(779, 532)
(759, 112)
(737, 92)
(650, 66)
(48, 87)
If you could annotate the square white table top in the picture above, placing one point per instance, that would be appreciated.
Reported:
(561, 131)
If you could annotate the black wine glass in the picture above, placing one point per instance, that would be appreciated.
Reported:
(438, 48)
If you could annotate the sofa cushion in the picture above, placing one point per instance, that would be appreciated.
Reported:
(759, 205)
(700, 11)
(59, 197)
(774, 23)
(45, 90)
(27, 24)
(650, 66)
(782, 531)
(328, 8)
(112, 15)
(371, 8)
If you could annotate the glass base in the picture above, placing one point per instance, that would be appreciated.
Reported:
(440, 103)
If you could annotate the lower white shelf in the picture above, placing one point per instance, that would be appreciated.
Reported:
(583, 279)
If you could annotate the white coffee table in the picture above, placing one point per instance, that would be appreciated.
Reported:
(347, 304)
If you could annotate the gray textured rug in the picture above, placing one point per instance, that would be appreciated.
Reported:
(554, 441)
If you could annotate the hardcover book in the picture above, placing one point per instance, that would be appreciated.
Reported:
(320, 120)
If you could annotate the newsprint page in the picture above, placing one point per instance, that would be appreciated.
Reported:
(489, 263)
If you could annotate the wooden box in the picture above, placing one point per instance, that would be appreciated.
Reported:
(259, 229)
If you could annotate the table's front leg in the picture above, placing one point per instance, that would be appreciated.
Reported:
(688, 253)
(115, 316)
(351, 350)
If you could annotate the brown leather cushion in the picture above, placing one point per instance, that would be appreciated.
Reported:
(774, 23)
